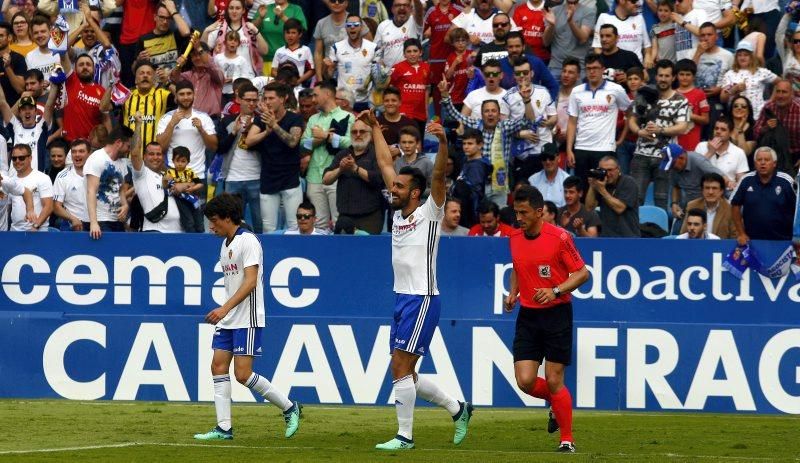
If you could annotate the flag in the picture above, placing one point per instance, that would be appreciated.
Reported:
(59, 36)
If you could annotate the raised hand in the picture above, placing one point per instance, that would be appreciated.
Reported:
(436, 129)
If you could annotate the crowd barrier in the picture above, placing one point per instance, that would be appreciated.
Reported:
(660, 325)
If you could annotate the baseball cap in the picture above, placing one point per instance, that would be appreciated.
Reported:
(745, 45)
(27, 101)
(668, 155)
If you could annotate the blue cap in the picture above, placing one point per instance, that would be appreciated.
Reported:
(669, 153)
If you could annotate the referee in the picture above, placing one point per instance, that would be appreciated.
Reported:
(547, 267)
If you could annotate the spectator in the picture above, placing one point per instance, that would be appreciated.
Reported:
(717, 209)
(326, 132)
(686, 170)
(270, 19)
(58, 159)
(783, 110)
(41, 57)
(294, 52)
(186, 126)
(95, 43)
(438, 20)
(550, 212)
(106, 205)
(233, 65)
(477, 21)
(393, 34)
(615, 59)
(34, 84)
(630, 27)
(21, 41)
(147, 99)
(696, 226)
(410, 145)
(540, 73)
(458, 71)
(492, 75)
(698, 104)
(626, 140)
(688, 19)
(69, 190)
(139, 18)
(411, 77)
(724, 155)
(251, 45)
(718, 12)
(617, 196)
(592, 111)
(550, 180)
(14, 187)
(656, 127)
(25, 129)
(747, 78)
(573, 217)
(764, 201)
(38, 184)
(161, 210)
(529, 16)
(489, 223)
(276, 135)
(662, 35)
(568, 32)
(186, 186)
(13, 78)
(452, 216)
(476, 173)
(206, 77)
(358, 181)
(570, 73)
(392, 120)
(352, 60)
(496, 49)
(306, 218)
(713, 62)
(162, 46)
(788, 40)
(306, 106)
(769, 13)
(329, 30)
(743, 133)
(89, 103)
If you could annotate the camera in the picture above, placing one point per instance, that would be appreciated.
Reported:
(646, 104)
(598, 173)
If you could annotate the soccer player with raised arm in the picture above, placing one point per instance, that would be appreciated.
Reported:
(240, 319)
(415, 244)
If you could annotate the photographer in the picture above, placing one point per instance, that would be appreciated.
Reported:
(617, 196)
(657, 125)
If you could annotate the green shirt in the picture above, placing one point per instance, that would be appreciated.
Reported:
(273, 33)
(320, 157)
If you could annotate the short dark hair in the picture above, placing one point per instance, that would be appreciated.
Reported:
(491, 63)
(7, 26)
(280, 89)
(390, 90)
(84, 55)
(573, 181)
(238, 82)
(245, 88)
(117, 133)
(293, 24)
(181, 152)
(485, 102)
(551, 207)
(664, 64)
(472, 134)
(451, 199)
(410, 130)
(35, 73)
(531, 195)
(418, 180)
(708, 24)
(80, 141)
(610, 26)
(23, 147)
(488, 207)
(328, 85)
(671, 5)
(143, 62)
(412, 42)
(307, 205)
(515, 35)
(635, 71)
(39, 19)
(520, 61)
(183, 84)
(713, 177)
(686, 65)
(225, 206)
(725, 119)
(697, 212)
(59, 143)
(593, 57)
(571, 61)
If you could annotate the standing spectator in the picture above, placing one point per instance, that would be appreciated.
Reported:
(529, 16)
(38, 184)
(21, 41)
(185, 188)
(411, 77)
(782, 109)
(713, 62)
(764, 201)
(89, 103)
(688, 19)
(743, 133)
(478, 23)
(438, 20)
(147, 99)
(163, 46)
(724, 155)
(393, 34)
(496, 49)
(21, 124)
(475, 175)
(96, 44)
(392, 120)
(251, 46)
(233, 66)
(616, 60)
(492, 74)
(489, 222)
(618, 198)
(696, 226)
(458, 70)
(568, 32)
(206, 77)
(549, 212)
(550, 180)
(410, 155)
(698, 104)
(768, 11)
(138, 19)
(276, 135)
(69, 189)
(358, 181)
(306, 106)
(294, 52)
(655, 128)
(326, 132)
(452, 216)
(719, 12)
(328, 31)
(630, 26)
(573, 217)
(686, 170)
(717, 209)
(270, 20)
(516, 49)
(58, 159)
(570, 73)
(106, 205)
(305, 217)
(14, 66)
(788, 41)
(662, 35)
(746, 78)
(352, 60)
(592, 111)
(41, 58)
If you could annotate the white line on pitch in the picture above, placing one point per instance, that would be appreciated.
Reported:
(70, 449)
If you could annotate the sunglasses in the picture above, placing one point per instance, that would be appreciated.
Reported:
(522, 73)
(338, 1)
(19, 158)
(304, 216)
(492, 74)
(796, 41)
(358, 132)
(495, 25)
(352, 24)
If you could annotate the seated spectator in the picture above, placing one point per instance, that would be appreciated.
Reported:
(781, 118)
(764, 201)
(724, 155)
(488, 222)
(410, 145)
(686, 170)
(306, 217)
(69, 190)
(717, 209)
(452, 216)
(473, 102)
(185, 188)
(696, 226)
(38, 184)
(550, 180)
(743, 133)
(346, 226)
(550, 211)
(459, 69)
(618, 198)
(573, 217)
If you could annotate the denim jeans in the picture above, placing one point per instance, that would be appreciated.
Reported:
(270, 208)
(625, 155)
(250, 191)
(645, 169)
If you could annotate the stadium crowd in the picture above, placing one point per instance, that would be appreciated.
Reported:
(637, 118)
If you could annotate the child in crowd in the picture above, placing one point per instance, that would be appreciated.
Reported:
(459, 69)
(662, 35)
(294, 52)
(476, 170)
(184, 184)
(233, 65)
(411, 155)
(686, 70)
(626, 141)
(412, 76)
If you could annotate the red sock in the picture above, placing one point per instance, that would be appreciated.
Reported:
(540, 390)
(561, 402)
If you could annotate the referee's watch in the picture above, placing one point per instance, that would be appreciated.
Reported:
(556, 291)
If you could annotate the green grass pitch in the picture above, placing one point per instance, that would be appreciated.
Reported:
(66, 431)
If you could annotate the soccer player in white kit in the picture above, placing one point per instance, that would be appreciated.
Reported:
(415, 244)
(240, 320)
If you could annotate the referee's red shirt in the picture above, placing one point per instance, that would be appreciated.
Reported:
(543, 262)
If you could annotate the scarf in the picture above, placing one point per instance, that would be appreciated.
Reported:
(498, 162)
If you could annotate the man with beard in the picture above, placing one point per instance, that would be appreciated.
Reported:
(615, 59)
(352, 59)
(452, 216)
(696, 226)
(88, 103)
(630, 26)
(13, 66)
(41, 58)
(415, 239)
(22, 126)
(358, 181)
(69, 189)
(478, 22)
(106, 204)
(96, 44)
(496, 49)
(516, 50)
(392, 33)
(151, 101)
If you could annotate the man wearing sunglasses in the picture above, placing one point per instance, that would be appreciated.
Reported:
(38, 184)
(515, 46)
(630, 27)
(479, 22)
(352, 60)
(392, 33)
(306, 216)
(329, 30)
(496, 49)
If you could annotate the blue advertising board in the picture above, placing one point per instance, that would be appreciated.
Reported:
(659, 326)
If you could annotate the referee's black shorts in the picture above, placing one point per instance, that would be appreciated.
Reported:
(544, 334)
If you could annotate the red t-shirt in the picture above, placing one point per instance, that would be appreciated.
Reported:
(502, 230)
(82, 111)
(699, 105)
(531, 22)
(543, 262)
(138, 19)
(458, 84)
(439, 22)
(412, 81)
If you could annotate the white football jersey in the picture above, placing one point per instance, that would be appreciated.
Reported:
(415, 244)
(389, 39)
(242, 252)
(70, 189)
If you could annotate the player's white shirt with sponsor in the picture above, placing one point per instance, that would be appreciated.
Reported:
(542, 107)
(41, 187)
(415, 245)
(475, 25)
(597, 115)
(633, 34)
(70, 189)
(354, 66)
(243, 251)
(389, 39)
(44, 62)
(149, 189)
(29, 136)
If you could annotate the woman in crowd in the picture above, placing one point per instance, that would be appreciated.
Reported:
(742, 135)
(252, 45)
(746, 78)
(21, 42)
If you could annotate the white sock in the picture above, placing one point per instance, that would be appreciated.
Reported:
(264, 388)
(429, 391)
(222, 401)
(405, 395)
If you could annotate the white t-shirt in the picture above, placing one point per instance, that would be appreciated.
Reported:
(41, 187)
(244, 45)
(475, 99)
(712, 66)
(732, 162)
(474, 25)
(70, 190)
(755, 82)
(44, 62)
(709, 236)
(597, 115)
(415, 245)
(302, 58)
(389, 39)
(245, 165)
(633, 35)
(30, 137)
(713, 8)
(354, 66)
(148, 185)
(542, 107)
(111, 175)
(685, 41)
(233, 68)
(315, 232)
(9, 186)
(186, 135)
(242, 252)
(760, 6)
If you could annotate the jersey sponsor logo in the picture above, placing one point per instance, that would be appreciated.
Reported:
(544, 271)
(230, 268)
(399, 341)
(415, 87)
(230, 253)
(238, 349)
(777, 190)
(94, 101)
